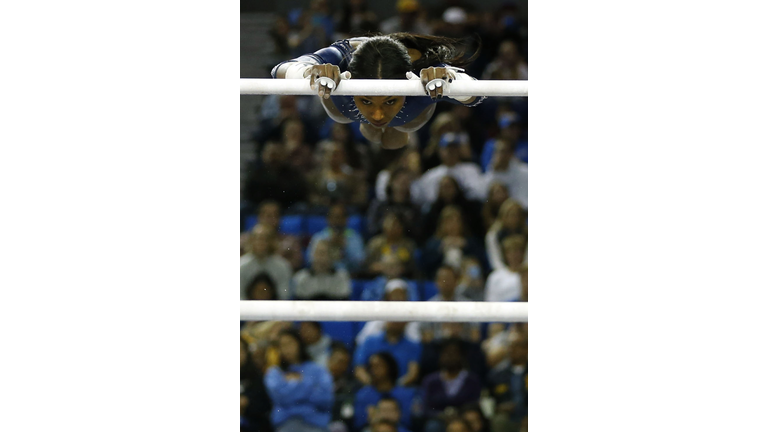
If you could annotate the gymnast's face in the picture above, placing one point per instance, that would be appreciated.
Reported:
(379, 110)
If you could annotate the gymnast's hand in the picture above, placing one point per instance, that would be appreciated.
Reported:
(325, 79)
(435, 79)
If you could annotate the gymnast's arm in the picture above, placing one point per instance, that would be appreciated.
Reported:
(323, 63)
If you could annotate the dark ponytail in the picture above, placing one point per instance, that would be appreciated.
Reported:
(380, 57)
(437, 49)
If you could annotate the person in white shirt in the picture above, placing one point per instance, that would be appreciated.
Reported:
(509, 221)
(395, 290)
(510, 171)
(467, 174)
(506, 284)
(322, 281)
(262, 257)
(447, 280)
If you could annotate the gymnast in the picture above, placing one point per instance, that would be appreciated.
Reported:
(384, 119)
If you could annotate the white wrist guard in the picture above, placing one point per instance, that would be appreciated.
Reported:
(298, 70)
(458, 75)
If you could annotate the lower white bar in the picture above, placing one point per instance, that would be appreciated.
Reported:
(286, 310)
(382, 87)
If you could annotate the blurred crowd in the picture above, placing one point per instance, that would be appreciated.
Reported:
(326, 215)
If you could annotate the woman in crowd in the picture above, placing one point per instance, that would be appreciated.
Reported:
(510, 221)
(451, 194)
(393, 241)
(255, 404)
(506, 283)
(398, 199)
(322, 281)
(384, 119)
(497, 194)
(383, 371)
(301, 391)
(451, 243)
(262, 257)
(335, 180)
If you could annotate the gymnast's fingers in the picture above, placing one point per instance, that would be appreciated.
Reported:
(427, 75)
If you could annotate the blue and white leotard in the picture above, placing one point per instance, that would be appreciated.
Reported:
(340, 54)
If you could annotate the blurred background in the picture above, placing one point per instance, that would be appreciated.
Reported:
(326, 215)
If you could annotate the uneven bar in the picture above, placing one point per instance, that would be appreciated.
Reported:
(382, 87)
(305, 310)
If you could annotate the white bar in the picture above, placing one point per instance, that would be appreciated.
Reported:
(382, 87)
(286, 310)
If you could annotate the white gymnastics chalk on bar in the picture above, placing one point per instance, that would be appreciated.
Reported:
(306, 310)
(382, 87)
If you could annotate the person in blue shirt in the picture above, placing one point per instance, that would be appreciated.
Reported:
(384, 119)
(301, 390)
(383, 371)
(347, 248)
(509, 389)
(388, 409)
(393, 341)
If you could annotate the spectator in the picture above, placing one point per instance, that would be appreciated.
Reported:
(455, 23)
(473, 415)
(355, 19)
(346, 245)
(451, 387)
(255, 404)
(392, 341)
(497, 194)
(398, 199)
(506, 284)
(458, 424)
(392, 242)
(451, 243)
(298, 152)
(317, 343)
(383, 372)
(511, 129)
(509, 389)
(289, 246)
(467, 174)
(279, 35)
(274, 179)
(357, 153)
(474, 125)
(384, 426)
(244, 238)
(395, 290)
(472, 282)
(301, 391)
(508, 64)
(450, 194)
(443, 123)
(261, 258)
(409, 19)
(387, 409)
(345, 387)
(510, 221)
(407, 158)
(322, 19)
(496, 346)
(334, 179)
(446, 280)
(322, 281)
(509, 170)
(392, 269)
(262, 287)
